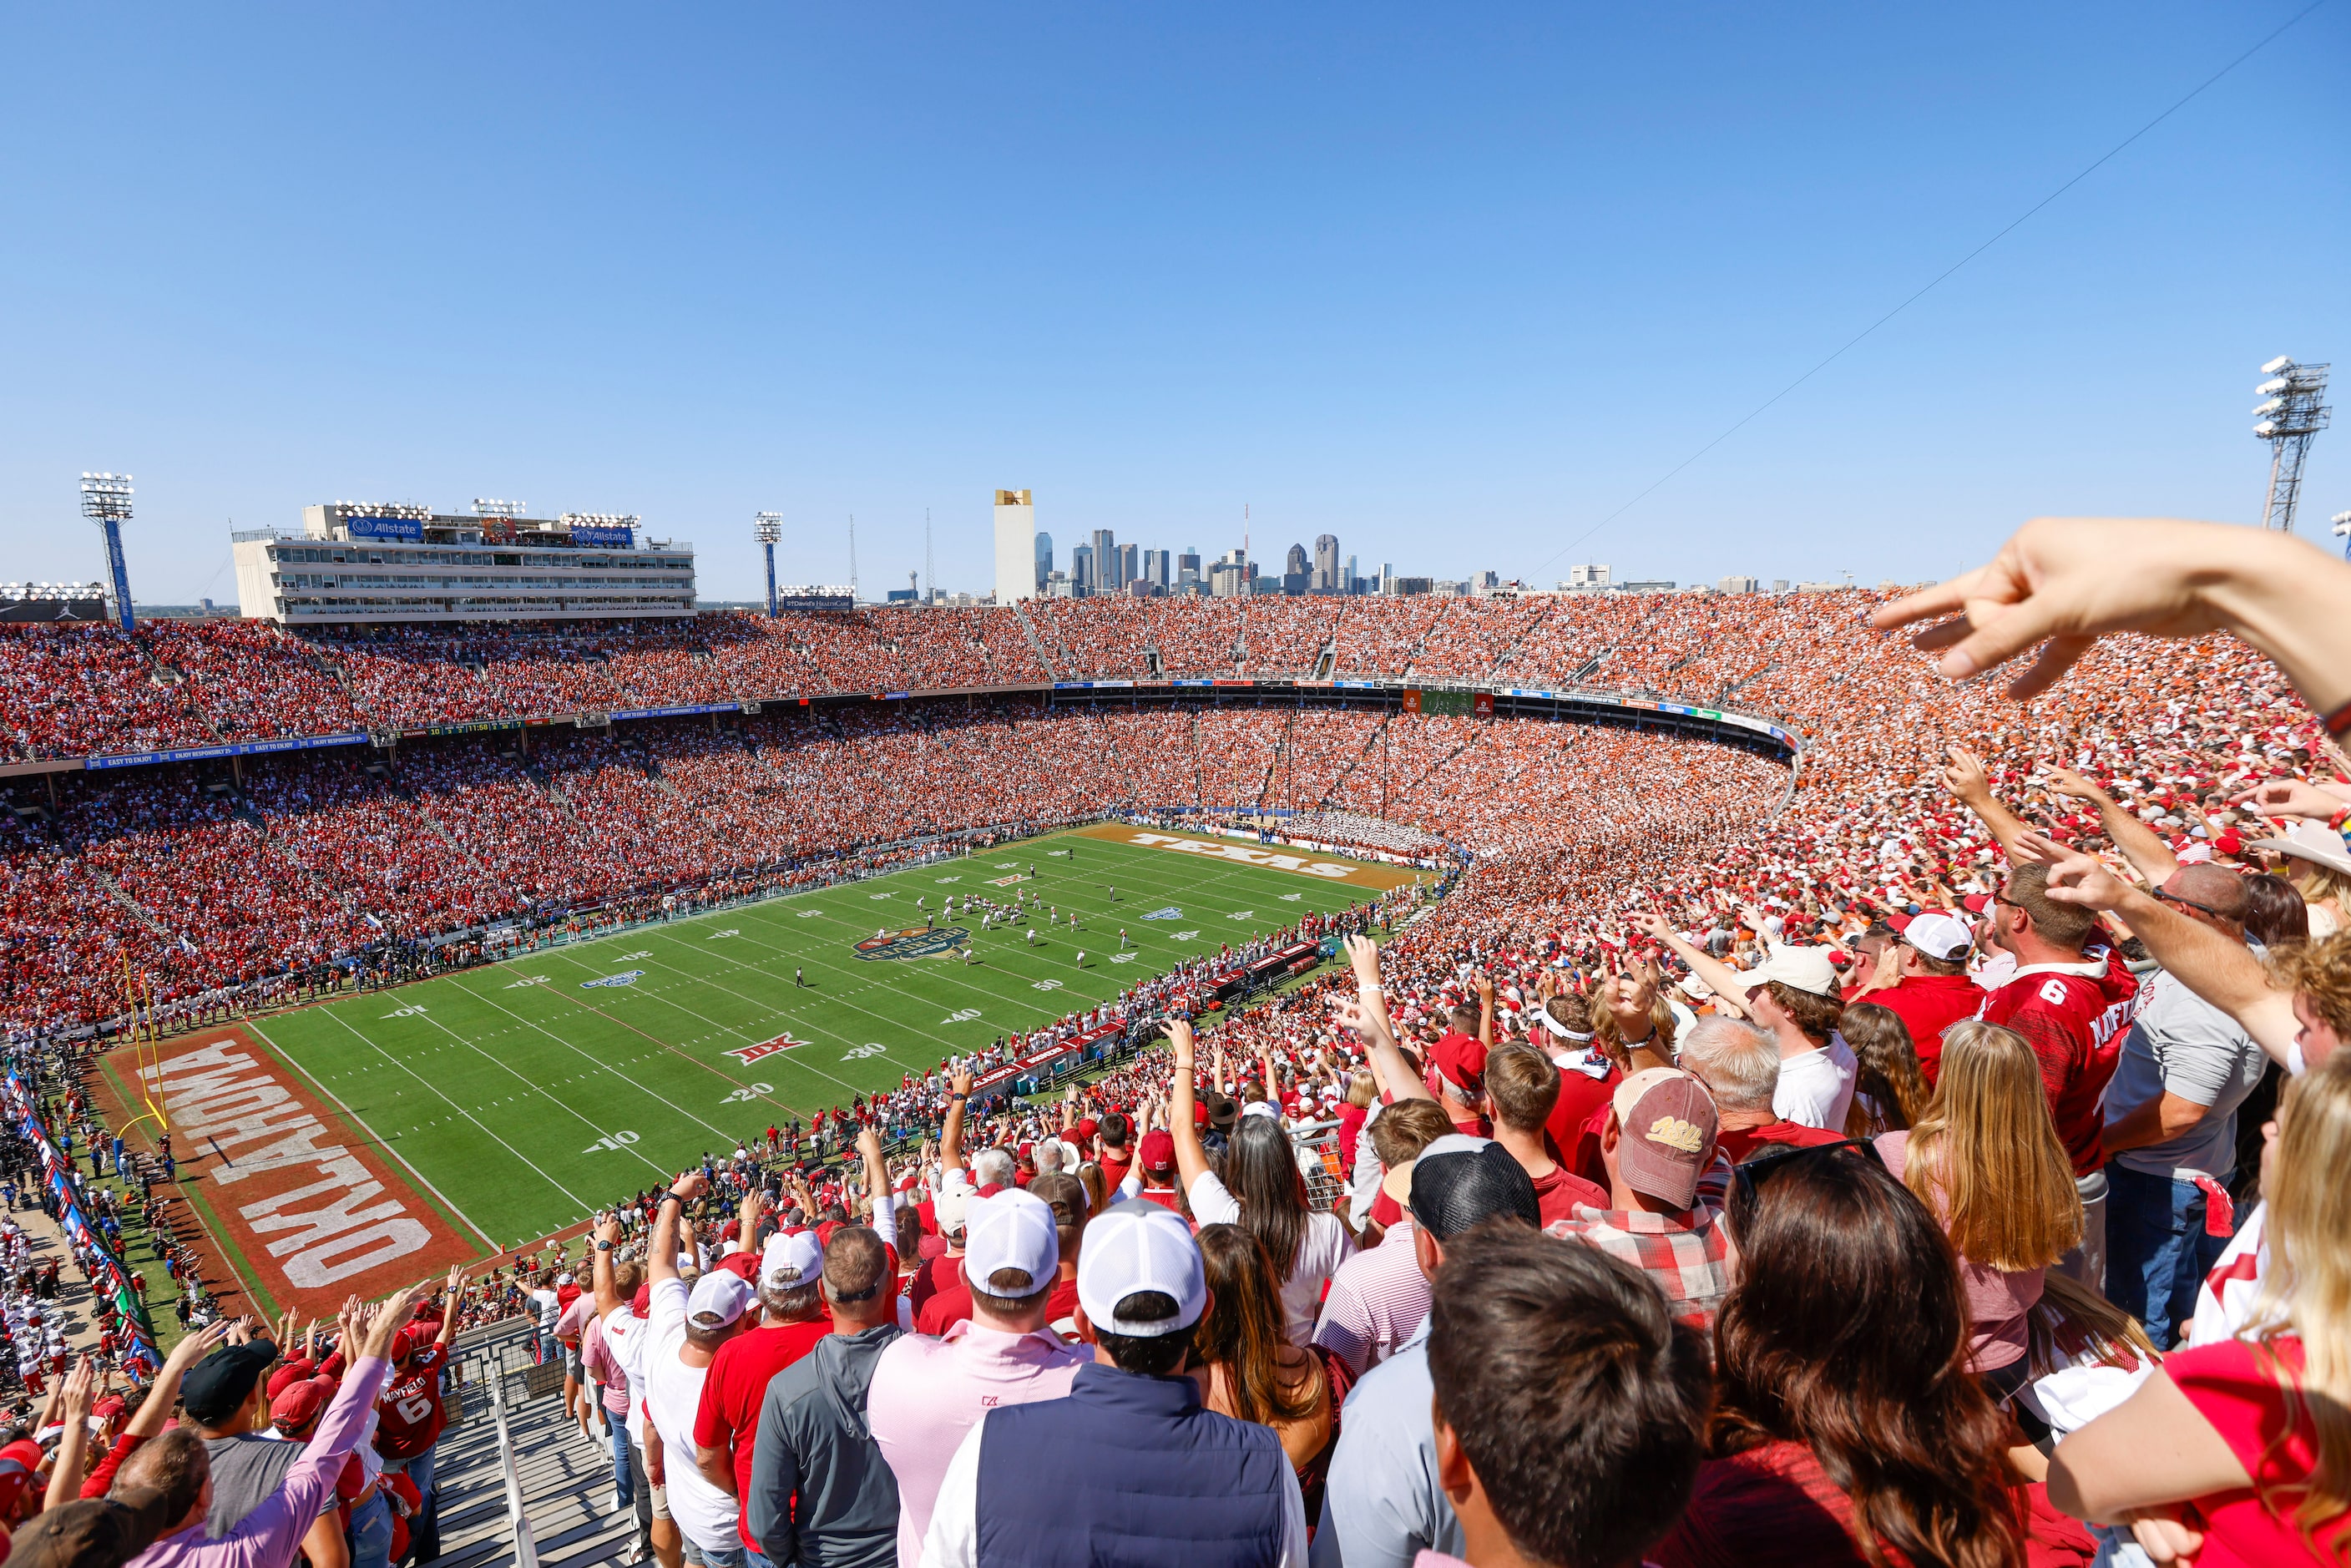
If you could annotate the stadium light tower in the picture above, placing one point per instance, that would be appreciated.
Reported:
(2342, 521)
(105, 501)
(769, 528)
(2290, 413)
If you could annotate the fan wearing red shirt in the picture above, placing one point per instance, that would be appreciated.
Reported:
(2072, 999)
(410, 1414)
(792, 1318)
(1934, 992)
(1522, 1085)
(1587, 1079)
(1739, 1065)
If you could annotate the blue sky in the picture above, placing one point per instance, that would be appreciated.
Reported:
(1453, 283)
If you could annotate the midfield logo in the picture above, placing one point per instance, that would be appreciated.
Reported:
(913, 942)
(751, 1053)
(1170, 913)
(1007, 881)
(625, 978)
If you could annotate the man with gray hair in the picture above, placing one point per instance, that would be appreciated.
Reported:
(1739, 1065)
(992, 1167)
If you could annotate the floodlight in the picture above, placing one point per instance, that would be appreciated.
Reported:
(2284, 361)
(2271, 406)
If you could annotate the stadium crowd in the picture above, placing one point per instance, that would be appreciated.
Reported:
(1933, 1158)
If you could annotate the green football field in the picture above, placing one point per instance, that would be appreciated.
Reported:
(531, 1092)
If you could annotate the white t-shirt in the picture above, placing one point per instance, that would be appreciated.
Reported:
(1816, 1086)
(550, 1305)
(1324, 1247)
(672, 1393)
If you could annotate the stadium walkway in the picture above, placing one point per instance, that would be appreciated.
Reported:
(566, 1486)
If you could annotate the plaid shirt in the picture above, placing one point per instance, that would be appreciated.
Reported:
(1688, 1254)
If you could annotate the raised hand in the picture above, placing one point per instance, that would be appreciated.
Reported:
(1963, 775)
(2066, 581)
(2296, 798)
(2074, 785)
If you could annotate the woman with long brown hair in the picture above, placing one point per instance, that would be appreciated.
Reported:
(2240, 1452)
(1889, 1089)
(1988, 1163)
(1247, 1368)
(1260, 1189)
(1847, 1428)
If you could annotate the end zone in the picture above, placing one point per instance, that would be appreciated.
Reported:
(1267, 857)
(308, 1207)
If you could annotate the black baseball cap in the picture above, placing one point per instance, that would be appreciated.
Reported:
(1459, 1181)
(216, 1385)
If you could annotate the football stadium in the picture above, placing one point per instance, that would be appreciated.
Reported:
(527, 1039)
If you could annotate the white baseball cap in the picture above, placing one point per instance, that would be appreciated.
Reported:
(1012, 1229)
(1138, 1246)
(792, 1259)
(1806, 968)
(719, 1298)
(1937, 935)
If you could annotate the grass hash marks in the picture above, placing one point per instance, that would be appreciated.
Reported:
(535, 1090)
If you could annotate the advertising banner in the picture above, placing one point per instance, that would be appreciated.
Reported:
(405, 530)
(604, 539)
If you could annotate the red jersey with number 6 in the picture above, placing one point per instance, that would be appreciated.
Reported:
(409, 1418)
(2075, 1016)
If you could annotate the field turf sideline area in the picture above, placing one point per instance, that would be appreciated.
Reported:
(528, 1093)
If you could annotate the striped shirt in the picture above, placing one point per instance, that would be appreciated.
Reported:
(1377, 1299)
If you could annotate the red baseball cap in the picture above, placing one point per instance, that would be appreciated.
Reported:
(1158, 1153)
(744, 1266)
(300, 1401)
(1461, 1059)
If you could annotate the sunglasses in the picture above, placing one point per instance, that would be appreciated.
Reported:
(2169, 897)
(1748, 1178)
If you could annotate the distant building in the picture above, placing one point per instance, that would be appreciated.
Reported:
(1106, 558)
(1736, 584)
(1082, 569)
(1408, 585)
(1326, 565)
(1016, 546)
(1130, 564)
(1187, 567)
(1586, 577)
(1647, 585)
(1779, 585)
(1295, 561)
(1044, 559)
(1228, 581)
(355, 564)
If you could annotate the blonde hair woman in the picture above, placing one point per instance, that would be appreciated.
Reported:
(1987, 1161)
(2240, 1451)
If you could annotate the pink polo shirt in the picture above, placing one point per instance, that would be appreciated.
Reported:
(927, 1392)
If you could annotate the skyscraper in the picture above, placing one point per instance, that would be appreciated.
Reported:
(1044, 559)
(1105, 578)
(1326, 565)
(1016, 547)
(1081, 568)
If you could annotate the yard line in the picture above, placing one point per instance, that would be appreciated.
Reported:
(509, 1148)
(381, 1142)
(603, 1067)
(528, 1082)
